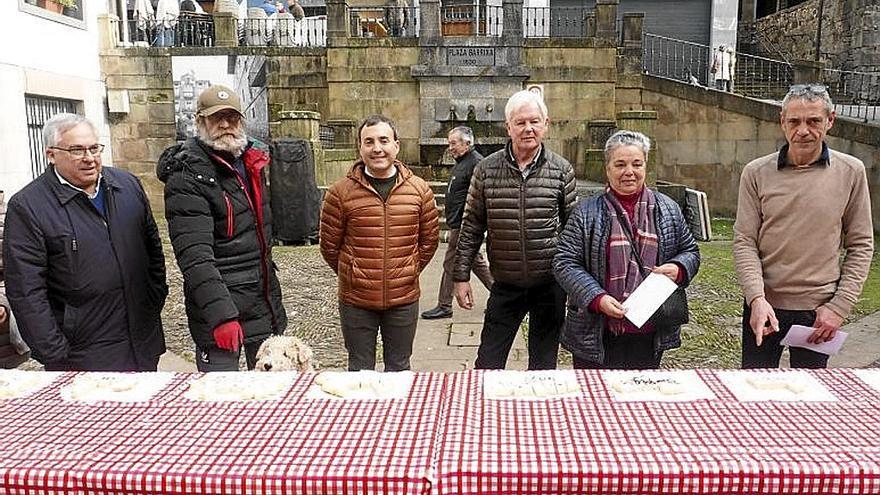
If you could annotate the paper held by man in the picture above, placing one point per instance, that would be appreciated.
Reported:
(647, 298)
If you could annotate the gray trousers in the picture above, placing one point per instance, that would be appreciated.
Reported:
(360, 328)
(480, 267)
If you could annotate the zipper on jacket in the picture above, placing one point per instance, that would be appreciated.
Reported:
(230, 221)
(522, 228)
(385, 253)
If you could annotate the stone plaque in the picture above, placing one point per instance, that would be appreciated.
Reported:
(470, 55)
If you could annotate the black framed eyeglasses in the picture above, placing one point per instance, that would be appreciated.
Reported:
(80, 151)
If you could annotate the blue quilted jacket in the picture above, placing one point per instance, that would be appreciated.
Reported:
(580, 266)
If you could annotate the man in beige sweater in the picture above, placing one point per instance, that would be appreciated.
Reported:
(796, 209)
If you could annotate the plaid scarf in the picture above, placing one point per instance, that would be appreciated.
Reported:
(624, 273)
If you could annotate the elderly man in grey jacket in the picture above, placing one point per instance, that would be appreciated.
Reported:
(521, 197)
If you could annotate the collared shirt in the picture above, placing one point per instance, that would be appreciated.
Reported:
(66, 183)
(782, 162)
(97, 198)
(533, 163)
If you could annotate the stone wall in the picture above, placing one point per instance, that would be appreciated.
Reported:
(704, 138)
(850, 34)
(372, 75)
(140, 136)
(579, 86)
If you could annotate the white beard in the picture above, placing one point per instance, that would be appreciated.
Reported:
(230, 144)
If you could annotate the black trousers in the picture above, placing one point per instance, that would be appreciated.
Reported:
(628, 351)
(216, 359)
(505, 310)
(770, 352)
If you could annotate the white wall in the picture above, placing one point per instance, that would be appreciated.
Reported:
(44, 57)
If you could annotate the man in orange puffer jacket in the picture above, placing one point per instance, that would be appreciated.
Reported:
(379, 229)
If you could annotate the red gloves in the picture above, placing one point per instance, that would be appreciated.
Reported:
(229, 336)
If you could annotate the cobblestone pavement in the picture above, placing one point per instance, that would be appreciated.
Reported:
(309, 295)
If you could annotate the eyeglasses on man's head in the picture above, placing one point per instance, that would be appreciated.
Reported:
(80, 151)
(800, 89)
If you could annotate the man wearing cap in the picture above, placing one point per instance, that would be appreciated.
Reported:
(220, 224)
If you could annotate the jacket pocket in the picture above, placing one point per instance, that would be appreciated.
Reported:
(70, 325)
(230, 216)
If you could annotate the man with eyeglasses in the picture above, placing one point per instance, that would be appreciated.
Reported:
(521, 195)
(797, 208)
(85, 271)
(220, 223)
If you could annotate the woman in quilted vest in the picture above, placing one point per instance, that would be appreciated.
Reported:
(610, 244)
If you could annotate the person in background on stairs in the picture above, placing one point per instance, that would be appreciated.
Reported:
(461, 147)
(797, 209)
(521, 197)
(722, 68)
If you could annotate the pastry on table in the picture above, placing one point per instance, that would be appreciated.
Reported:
(776, 382)
(364, 384)
(239, 386)
(18, 383)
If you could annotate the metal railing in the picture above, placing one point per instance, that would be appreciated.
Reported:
(761, 77)
(189, 29)
(855, 94)
(471, 20)
(556, 22)
(283, 31)
(384, 22)
(675, 59)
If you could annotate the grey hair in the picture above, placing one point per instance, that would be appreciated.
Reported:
(626, 138)
(60, 123)
(809, 92)
(524, 98)
(465, 132)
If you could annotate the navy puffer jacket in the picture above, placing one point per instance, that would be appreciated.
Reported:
(581, 263)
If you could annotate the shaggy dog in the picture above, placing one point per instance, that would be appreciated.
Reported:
(284, 353)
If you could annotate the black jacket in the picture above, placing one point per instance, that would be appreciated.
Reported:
(459, 181)
(221, 231)
(521, 218)
(87, 291)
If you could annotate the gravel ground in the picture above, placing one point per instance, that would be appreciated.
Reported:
(309, 295)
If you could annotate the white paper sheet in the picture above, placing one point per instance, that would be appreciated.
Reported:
(18, 383)
(798, 334)
(238, 386)
(655, 385)
(647, 298)
(530, 385)
(115, 387)
(775, 385)
(869, 376)
(361, 385)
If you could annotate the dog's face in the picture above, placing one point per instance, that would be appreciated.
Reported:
(284, 353)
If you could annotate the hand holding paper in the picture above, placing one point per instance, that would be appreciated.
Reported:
(798, 334)
(647, 298)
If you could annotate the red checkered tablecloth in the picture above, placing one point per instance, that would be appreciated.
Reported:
(443, 438)
(173, 445)
(594, 444)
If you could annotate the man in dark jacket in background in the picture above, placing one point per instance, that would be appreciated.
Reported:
(85, 272)
(522, 196)
(219, 220)
(461, 147)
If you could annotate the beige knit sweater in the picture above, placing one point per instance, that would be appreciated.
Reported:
(791, 224)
